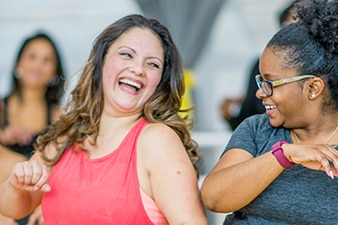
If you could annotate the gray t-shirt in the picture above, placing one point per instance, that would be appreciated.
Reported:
(299, 196)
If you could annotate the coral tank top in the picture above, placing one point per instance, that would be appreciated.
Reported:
(103, 191)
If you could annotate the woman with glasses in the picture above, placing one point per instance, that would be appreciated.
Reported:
(281, 167)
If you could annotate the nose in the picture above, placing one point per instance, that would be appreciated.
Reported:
(137, 68)
(260, 94)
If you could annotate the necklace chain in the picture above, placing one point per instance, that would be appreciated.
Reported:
(325, 142)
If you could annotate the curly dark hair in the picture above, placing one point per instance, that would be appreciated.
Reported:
(311, 44)
(83, 110)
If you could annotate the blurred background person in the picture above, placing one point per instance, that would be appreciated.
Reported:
(8, 159)
(235, 110)
(33, 101)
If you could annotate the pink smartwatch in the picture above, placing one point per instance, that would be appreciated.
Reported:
(277, 151)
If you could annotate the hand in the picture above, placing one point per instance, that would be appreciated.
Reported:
(36, 217)
(316, 157)
(30, 176)
(15, 135)
(230, 107)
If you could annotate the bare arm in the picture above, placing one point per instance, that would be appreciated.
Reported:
(237, 179)
(167, 175)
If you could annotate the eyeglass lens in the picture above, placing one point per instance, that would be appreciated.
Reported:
(267, 87)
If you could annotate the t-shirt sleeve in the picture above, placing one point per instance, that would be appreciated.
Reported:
(243, 137)
(256, 135)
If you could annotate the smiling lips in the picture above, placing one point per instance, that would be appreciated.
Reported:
(131, 83)
(269, 109)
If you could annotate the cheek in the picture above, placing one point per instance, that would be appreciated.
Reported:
(107, 81)
(109, 69)
(154, 79)
(153, 85)
(107, 76)
(51, 70)
(288, 102)
(24, 64)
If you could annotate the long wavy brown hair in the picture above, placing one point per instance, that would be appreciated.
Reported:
(84, 107)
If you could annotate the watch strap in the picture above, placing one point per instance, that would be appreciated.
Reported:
(278, 152)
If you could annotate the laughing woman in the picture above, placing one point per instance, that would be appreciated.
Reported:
(120, 154)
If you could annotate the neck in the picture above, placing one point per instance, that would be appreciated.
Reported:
(110, 122)
(326, 141)
(31, 95)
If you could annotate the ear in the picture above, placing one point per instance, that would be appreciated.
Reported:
(18, 72)
(316, 87)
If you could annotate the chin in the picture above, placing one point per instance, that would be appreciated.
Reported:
(275, 123)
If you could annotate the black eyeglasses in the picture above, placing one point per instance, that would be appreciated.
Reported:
(267, 86)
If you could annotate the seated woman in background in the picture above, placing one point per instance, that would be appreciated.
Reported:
(33, 101)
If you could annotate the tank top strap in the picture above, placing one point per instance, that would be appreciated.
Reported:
(128, 144)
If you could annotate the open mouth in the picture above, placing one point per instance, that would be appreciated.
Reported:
(130, 83)
(270, 107)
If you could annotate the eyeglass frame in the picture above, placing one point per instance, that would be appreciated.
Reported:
(277, 83)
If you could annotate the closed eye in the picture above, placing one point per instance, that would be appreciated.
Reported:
(126, 54)
(155, 65)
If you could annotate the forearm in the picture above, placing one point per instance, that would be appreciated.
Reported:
(229, 189)
(14, 203)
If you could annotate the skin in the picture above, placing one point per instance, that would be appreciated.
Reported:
(162, 164)
(8, 159)
(237, 176)
(36, 68)
(229, 103)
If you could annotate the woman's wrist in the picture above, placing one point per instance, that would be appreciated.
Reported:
(278, 152)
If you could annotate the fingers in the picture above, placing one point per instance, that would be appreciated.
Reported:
(316, 157)
(36, 218)
(32, 219)
(16, 135)
(325, 162)
(330, 161)
(30, 176)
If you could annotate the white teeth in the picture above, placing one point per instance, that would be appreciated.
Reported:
(131, 83)
(270, 107)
